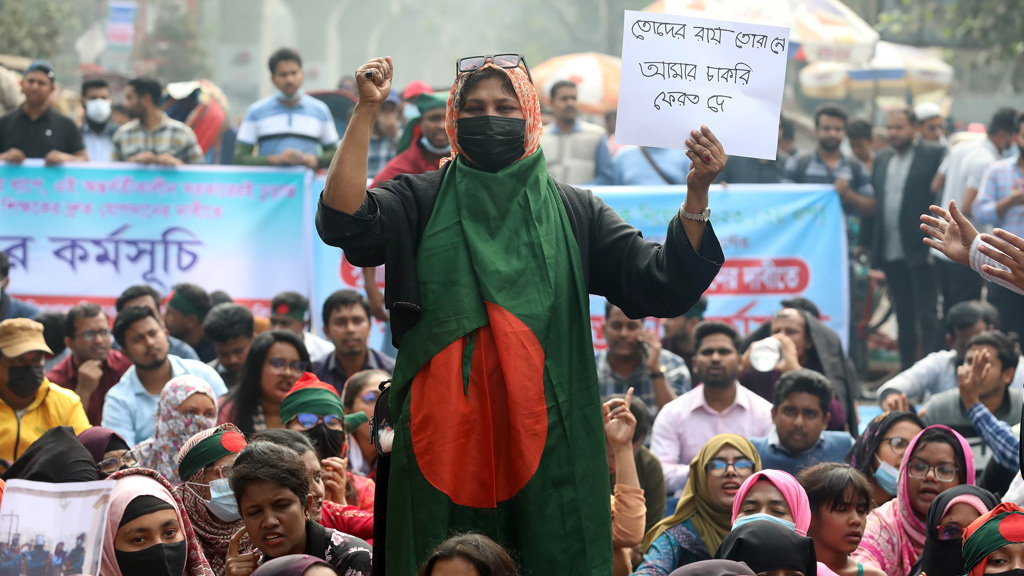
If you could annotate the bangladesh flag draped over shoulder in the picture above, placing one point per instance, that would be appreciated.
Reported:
(499, 427)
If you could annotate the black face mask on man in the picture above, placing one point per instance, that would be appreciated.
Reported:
(23, 381)
(492, 142)
(328, 443)
(157, 560)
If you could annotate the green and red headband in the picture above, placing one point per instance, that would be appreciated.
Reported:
(209, 450)
(311, 395)
(1003, 526)
(182, 304)
(296, 313)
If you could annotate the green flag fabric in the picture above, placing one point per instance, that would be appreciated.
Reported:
(499, 426)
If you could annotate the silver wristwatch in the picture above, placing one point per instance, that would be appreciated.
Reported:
(704, 216)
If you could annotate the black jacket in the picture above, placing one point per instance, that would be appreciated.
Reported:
(642, 278)
(917, 197)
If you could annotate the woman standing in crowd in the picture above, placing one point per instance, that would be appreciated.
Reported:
(994, 543)
(187, 406)
(839, 497)
(948, 517)
(936, 460)
(702, 517)
(338, 516)
(770, 549)
(276, 360)
(360, 395)
(109, 450)
(147, 532)
(204, 463)
(470, 555)
(271, 486)
(880, 449)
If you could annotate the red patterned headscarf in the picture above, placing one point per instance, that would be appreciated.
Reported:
(525, 93)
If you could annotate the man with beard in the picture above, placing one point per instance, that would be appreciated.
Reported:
(828, 165)
(721, 405)
(937, 371)
(800, 413)
(93, 367)
(151, 137)
(902, 178)
(29, 404)
(635, 359)
(146, 295)
(35, 129)
(130, 404)
(346, 316)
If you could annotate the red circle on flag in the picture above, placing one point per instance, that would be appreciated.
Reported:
(481, 441)
(232, 441)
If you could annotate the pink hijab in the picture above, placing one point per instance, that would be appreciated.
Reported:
(792, 492)
(794, 495)
(142, 482)
(894, 536)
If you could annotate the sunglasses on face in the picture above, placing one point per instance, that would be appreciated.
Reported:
(718, 466)
(369, 396)
(474, 63)
(330, 421)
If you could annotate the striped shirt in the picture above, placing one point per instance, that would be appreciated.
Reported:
(275, 127)
(170, 136)
(818, 172)
(998, 182)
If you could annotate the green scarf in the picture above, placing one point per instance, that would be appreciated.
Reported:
(498, 426)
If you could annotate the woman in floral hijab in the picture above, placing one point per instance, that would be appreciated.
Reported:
(186, 407)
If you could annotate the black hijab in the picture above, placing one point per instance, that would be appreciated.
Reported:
(943, 557)
(57, 456)
(862, 455)
(765, 546)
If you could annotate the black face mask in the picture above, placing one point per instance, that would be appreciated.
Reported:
(25, 380)
(1014, 572)
(158, 560)
(492, 142)
(328, 443)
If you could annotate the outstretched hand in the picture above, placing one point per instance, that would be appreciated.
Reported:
(1007, 249)
(707, 159)
(619, 422)
(950, 233)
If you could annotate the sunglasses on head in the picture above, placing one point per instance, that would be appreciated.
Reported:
(474, 63)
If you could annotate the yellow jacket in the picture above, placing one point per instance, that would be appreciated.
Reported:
(53, 406)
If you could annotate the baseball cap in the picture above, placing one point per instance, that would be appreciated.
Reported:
(415, 88)
(927, 111)
(21, 335)
(41, 66)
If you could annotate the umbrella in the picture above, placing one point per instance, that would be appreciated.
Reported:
(895, 70)
(819, 29)
(596, 76)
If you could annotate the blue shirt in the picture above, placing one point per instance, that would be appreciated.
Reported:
(832, 446)
(274, 127)
(128, 408)
(632, 168)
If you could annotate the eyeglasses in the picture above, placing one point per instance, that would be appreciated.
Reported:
(943, 472)
(330, 421)
(898, 444)
(216, 472)
(111, 465)
(951, 532)
(718, 466)
(280, 365)
(370, 396)
(92, 334)
(474, 63)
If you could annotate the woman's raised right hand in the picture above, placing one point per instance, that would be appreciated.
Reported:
(373, 80)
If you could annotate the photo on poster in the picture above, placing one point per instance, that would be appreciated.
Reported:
(53, 529)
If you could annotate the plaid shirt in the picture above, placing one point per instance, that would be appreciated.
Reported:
(382, 151)
(170, 136)
(997, 183)
(1000, 437)
(676, 373)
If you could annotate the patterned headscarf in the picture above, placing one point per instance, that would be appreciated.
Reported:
(1002, 526)
(710, 520)
(171, 429)
(136, 482)
(214, 535)
(525, 93)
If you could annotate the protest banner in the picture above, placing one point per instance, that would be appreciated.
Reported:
(50, 528)
(86, 232)
(679, 72)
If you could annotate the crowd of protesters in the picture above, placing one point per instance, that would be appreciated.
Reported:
(243, 445)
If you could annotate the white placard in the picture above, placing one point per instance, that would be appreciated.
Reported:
(679, 72)
(56, 528)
